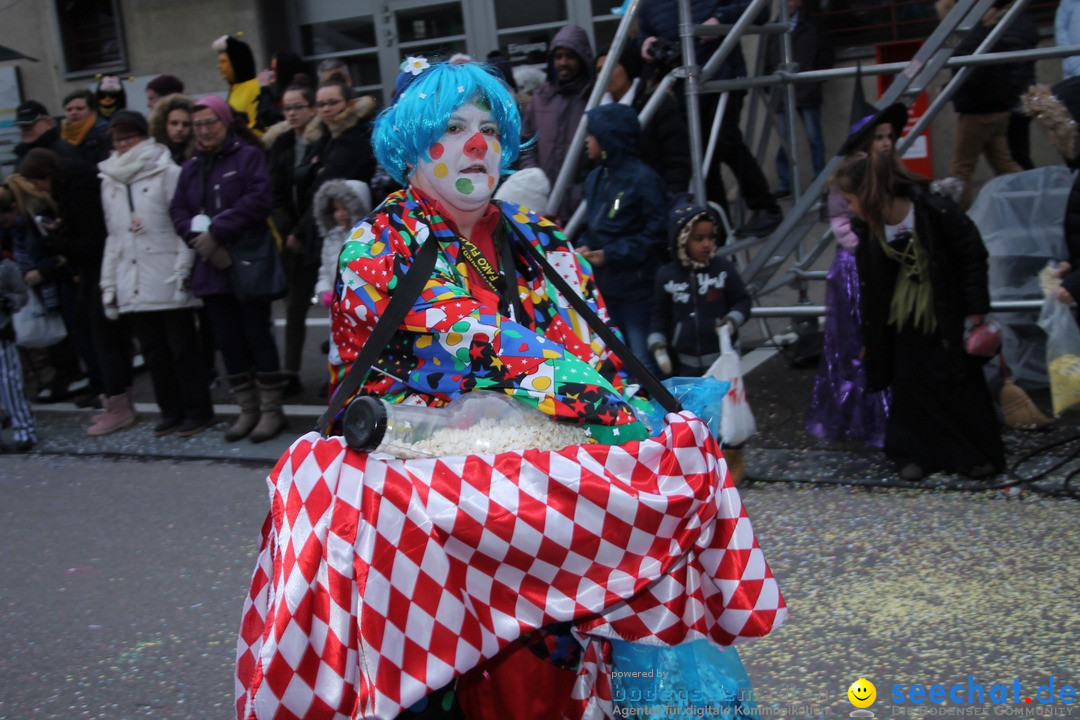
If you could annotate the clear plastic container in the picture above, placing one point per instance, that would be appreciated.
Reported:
(476, 423)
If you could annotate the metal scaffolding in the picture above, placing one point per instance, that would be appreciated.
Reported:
(784, 258)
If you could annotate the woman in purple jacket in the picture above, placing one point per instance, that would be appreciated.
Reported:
(224, 193)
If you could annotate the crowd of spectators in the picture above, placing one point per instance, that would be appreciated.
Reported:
(121, 224)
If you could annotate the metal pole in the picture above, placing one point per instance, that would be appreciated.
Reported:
(693, 105)
(806, 311)
(889, 68)
(958, 79)
(729, 43)
(927, 60)
(791, 112)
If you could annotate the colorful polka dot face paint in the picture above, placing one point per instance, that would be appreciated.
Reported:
(464, 165)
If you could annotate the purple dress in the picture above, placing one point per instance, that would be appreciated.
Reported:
(840, 407)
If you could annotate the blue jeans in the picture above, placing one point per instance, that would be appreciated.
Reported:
(811, 122)
(631, 317)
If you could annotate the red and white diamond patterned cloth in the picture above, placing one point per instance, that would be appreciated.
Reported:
(380, 580)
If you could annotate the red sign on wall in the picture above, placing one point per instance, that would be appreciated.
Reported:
(917, 157)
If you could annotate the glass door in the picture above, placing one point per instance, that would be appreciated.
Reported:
(417, 27)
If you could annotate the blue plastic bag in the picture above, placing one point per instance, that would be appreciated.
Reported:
(703, 396)
(694, 679)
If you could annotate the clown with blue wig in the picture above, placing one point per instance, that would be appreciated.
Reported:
(340, 624)
(488, 319)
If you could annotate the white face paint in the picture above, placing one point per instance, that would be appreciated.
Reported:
(464, 165)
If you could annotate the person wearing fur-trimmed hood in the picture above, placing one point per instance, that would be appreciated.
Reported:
(338, 206)
(696, 292)
(170, 125)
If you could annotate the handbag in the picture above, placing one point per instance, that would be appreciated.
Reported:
(36, 326)
(736, 420)
(257, 272)
(984, 340)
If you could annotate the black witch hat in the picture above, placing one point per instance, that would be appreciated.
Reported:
(865, 117)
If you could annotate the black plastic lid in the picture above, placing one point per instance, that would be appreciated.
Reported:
(364, 424)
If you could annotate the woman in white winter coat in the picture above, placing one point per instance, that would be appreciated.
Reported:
(145, 270)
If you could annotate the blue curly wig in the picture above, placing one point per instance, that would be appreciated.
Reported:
(421, 112)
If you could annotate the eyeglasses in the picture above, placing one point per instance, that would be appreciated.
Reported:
(294, 108)
(328, 103)
(205, 123)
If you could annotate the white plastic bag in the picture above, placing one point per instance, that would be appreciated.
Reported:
(1062, 353)
(736, 421)
(36, 326)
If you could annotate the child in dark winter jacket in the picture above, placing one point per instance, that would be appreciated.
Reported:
(339, 205)
(694, 294)
(626, 211)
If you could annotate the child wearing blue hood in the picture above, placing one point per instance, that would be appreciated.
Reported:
(626, 210)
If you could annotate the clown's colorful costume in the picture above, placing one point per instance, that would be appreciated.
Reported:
(456, 343)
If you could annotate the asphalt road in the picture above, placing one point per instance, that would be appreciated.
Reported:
(122, 580)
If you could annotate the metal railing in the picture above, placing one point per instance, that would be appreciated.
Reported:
(784, 258)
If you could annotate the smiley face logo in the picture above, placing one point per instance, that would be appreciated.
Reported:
(862, 693)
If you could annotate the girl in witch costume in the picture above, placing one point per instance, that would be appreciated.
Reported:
(488, 319)
(841, 408)
(922, 276)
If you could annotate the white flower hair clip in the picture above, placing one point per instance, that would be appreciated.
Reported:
(415, 65)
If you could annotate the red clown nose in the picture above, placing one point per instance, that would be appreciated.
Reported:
(476, 145)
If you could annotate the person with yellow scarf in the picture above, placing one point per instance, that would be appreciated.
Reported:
(83, 129)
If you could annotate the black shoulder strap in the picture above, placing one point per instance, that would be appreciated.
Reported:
(405, 294)
(409, 288)
(646, 378)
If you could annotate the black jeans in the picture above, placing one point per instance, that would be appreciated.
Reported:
(170, 344)
(302, 276)
(112, 344)
(732, 151)
(244, 333)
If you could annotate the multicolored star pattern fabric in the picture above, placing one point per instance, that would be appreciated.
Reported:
(380, 580)
(451, 342)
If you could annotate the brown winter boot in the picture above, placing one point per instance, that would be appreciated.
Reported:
(271, 393)
(735, 464)
(119, 415)
(105, 411)
(247, 397)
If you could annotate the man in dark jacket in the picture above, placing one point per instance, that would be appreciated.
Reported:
(626, 204)
(665, 143)
(79, 237)
(984, 101)
(810, 50)
(38, 129)
(659, 20)
(555, 111)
